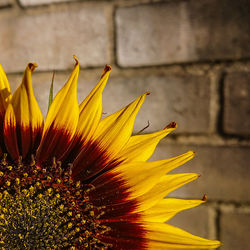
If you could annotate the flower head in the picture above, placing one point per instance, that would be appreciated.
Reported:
(77, 181)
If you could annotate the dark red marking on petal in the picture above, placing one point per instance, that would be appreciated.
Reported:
(109, 189)
(125, 235)
(23, 139)
(106, 69)
(119, 212)
(109, 166)
(28, 140)
(125, 243)
(104, 196)
(73, 150)
(89, 162)
(122, 211)
(53, 144)
(204, 198)
(106, 176)
(171, 125)
(10, 140)
(36, 138)
(2, 145)
(126, 229)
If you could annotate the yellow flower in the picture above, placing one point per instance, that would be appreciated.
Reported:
(77, 181)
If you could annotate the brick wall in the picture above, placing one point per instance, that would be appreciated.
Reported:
(193, 56)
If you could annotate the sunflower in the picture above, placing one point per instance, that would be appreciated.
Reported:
(77, 181)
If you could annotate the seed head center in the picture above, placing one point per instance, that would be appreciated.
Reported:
(43, 208)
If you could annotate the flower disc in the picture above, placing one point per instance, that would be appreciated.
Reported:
(43, 208)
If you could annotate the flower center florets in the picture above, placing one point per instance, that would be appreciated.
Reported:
(42, 208)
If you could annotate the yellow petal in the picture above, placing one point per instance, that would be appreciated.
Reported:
(29, 119)
(5, 93)
(165, 209)
(64, 110)
(164, 236)
(167, 184)
(115, 130)
(142, 176)
(91, 108)
(141, 147)
(61, 121)
(5, 97)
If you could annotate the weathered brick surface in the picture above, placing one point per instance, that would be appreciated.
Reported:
(235, 228)
(225, 171)
(184, 99)
(181, 98)
(40, 2)
(4, 2)
(183, 31)
(51, 38)
(236, 103)
(194, 221)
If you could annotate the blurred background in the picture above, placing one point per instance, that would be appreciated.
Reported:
(194, 58)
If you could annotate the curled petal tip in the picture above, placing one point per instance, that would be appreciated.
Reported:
(204, 198)
(191, 153)
(106, 69)
(171, 125)
(77, 61)
(32, 66)
(194, 153)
